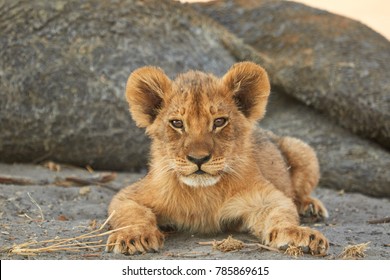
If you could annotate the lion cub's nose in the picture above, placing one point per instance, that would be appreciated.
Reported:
(199, 160)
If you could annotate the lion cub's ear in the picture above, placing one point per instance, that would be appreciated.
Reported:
(250, 86)
(145, 92)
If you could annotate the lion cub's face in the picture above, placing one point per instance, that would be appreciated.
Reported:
(199, 124)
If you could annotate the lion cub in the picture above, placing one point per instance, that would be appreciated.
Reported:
(211, 168)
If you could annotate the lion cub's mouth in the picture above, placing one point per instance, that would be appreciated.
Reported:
(200, 175)
(200, 179)
(199, 172)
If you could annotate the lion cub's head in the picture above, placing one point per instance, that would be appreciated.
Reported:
(200, 124)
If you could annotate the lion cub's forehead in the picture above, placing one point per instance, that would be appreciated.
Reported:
(199, 93)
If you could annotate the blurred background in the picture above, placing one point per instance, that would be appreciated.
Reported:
(374, 13)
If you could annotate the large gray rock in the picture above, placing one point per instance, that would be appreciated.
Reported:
(333, 63)
(348, 162)
(64, 66)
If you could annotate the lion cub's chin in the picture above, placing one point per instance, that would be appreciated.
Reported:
(196, 181)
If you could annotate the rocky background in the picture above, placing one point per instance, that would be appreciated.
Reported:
(64, 66)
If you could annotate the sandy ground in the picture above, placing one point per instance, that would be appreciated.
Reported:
(71, 209)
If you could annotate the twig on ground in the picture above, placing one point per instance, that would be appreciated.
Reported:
(10, 180)
(239, 245)
(95, 179)
(266, 247)
(91, 255)
(379, 221)
(187, 255)
(99, 179)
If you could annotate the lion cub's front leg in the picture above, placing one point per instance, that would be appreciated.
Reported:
(140, 232)
(271, 216)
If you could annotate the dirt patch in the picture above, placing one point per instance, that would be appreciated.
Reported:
(67, 212)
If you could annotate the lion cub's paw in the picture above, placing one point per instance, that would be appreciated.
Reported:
(312, 210)
(136, 239)
(307, 239)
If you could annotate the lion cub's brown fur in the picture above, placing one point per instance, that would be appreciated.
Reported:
(211, 168)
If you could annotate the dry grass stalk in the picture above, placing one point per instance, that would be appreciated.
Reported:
(352, 252)
(294, 251)
(64, 244)
(37, 205)
(229, 244)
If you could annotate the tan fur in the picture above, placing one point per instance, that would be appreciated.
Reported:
(211, 169)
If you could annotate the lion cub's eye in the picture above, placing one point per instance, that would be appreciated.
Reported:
(219, 122)
(177, 124)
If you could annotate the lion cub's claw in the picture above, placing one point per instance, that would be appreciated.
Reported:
(307, 239)
(312, 210)
(132, 241)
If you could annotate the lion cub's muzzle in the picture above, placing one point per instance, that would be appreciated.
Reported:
(200, 171)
